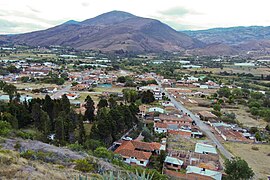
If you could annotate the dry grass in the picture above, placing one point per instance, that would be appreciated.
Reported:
(15, 167)
(252, 70)
(246, 118)
(258, 160)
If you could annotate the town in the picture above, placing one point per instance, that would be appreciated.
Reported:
(178, 115)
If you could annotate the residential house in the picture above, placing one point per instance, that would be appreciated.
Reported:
(205, 149)
(160, 127)
(156, 109)
(206, 115)
(173, 163)
(137, 152)
(194, 172)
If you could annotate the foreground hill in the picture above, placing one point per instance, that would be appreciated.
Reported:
(109, 32)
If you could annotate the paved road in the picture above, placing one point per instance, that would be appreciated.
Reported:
(59, 93)
(204, 128)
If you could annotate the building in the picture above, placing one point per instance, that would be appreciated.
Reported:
(206, 115)
(160, 127)
(205, 149)
(194, 172)
(137, 152)
(156, 109)
(170, 119)
(173, 163)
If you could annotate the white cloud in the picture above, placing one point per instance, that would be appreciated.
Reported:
(180, 14)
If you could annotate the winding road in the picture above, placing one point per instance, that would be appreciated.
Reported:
(204, 128)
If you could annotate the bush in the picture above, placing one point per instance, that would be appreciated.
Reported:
(5, 128)
(25, 135)
(27, 154)
(102, 152)
(254, 148)
(83, 165)
(75, 147)
(93, 144)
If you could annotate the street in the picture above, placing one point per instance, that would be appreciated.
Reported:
(204, 128)
(59, 93)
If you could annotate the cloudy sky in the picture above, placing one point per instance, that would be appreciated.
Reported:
(18, 16)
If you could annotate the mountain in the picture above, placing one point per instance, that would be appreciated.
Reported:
(232, 35)
(110, 32)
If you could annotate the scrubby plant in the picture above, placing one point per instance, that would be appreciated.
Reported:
(83, 165)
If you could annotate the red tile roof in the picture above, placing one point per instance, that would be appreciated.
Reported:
(132, 148)
(140, 155)
(161, 125)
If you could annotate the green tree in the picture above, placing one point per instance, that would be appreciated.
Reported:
(2, 84)
(65, 104)
(147, 97)
(217, 107)
(36, 115)
(102, 103)
(112, 102)
(61, 127)
(224, 92)
(258, 136)
(121, 79)
(6, 116)
(90, 109)
(81, 138)
(5, 128)
(238, 168)
(102, 152)
(48, 106)
(11, 90)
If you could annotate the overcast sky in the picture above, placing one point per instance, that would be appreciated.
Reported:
(18, 16)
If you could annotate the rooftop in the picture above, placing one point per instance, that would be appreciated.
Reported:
(205, 148)
(173, 160)
(205, 172)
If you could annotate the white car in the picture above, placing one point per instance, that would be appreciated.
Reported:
(127, 138)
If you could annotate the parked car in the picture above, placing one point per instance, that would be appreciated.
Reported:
(127, 138)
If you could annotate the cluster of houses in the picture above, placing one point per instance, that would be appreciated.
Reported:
(200, 163)
(189, 81)
(228, 132)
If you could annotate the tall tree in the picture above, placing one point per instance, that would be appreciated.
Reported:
(11, 90)
(65, 104)
(36, 115)
(112, 102)
(60, 125)
(102, 103)
(238, 168)
(90, 109)
(48, 107)
(81, 138)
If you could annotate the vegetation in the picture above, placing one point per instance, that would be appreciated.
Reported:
(238, 169)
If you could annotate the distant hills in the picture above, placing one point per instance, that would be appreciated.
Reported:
(232, 35)
(235, 39)
(118, 31)
(110, 32)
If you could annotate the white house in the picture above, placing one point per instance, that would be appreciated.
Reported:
(204, 172)
(156, 109)
(160, 127)
(205, 149)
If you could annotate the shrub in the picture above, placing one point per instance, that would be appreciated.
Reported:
(83, 165)
(254, 148)
(5, 128)
(27, 154)
(102, 152)
(75, 147)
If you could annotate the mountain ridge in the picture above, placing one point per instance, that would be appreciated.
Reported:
(111, 32)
